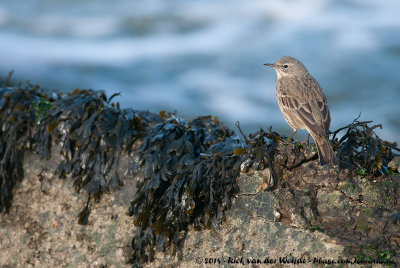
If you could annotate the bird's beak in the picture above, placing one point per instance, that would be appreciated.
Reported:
(270, 65)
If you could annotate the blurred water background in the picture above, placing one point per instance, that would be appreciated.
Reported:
(206, 57)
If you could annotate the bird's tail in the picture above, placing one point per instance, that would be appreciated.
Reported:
(325, 152)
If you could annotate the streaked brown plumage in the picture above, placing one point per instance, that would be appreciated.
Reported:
(304, 104)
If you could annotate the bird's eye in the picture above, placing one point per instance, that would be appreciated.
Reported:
(285, 66)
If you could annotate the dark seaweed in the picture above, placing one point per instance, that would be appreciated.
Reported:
(83, 216)
(92, 132)
(187, 173)
(259, 153)
(361, 149)
(93, 135)
(17, 119)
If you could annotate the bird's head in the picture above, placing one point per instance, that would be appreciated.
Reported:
(288, 66)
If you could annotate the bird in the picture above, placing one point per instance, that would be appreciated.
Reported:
(304, 104)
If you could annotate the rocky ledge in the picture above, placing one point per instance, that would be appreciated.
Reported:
(84, 183)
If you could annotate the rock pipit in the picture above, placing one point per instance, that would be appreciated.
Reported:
(304, 104)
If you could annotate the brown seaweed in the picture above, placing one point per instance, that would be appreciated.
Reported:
(362, 150)
(93, 134)
(16, 119)
(187, 173)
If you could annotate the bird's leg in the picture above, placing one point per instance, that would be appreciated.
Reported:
(308, 139)
(291, 137)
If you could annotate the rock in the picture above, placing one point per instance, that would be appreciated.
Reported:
(277, 205)
(41, 228)
(395, 164)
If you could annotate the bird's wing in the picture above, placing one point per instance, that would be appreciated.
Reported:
(320, 105)
(306, 101)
